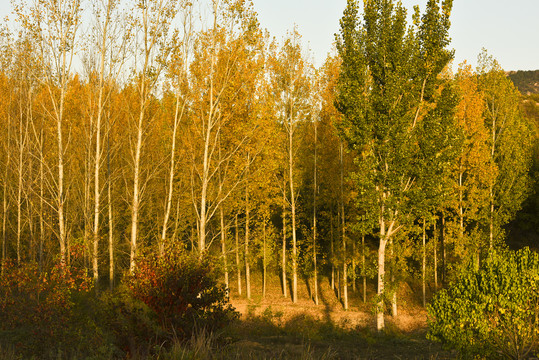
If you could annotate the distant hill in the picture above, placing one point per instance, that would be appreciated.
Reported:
(527, 82)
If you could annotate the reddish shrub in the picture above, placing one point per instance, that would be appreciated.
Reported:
(183, 291)
(36, 307)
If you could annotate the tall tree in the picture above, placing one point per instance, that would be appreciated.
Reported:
(110, 48)
(54, 25)
(473, 168)
(154, 21)
(7, 98)
(291, 86)
(510, 145)
(224, 55)
(178, 77)
(387, 74)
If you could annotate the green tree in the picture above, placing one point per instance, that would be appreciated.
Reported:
(439, 141)
(510, 145)
(492, 310)
(388, 75)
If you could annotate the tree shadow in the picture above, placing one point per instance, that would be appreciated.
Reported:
(307, 282)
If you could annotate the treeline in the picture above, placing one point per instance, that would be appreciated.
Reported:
(129, 130)
(527, 82)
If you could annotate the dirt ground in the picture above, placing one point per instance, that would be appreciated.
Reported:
(277, 328)
(412, 317)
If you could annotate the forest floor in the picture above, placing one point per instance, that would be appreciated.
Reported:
(273, 327)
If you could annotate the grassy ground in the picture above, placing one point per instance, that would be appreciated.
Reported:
(272, 327)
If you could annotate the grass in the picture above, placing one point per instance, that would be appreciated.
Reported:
(272, 327)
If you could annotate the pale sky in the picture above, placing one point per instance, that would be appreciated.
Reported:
(509, 30)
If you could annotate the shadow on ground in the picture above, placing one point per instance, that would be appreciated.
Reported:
(269, 335)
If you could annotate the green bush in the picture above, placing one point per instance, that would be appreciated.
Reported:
(493, 311)
(183, 290)
(133, 327)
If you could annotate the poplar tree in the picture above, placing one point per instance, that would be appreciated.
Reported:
(54, 26)
(510, 144)
(388, 75)
(290, 77)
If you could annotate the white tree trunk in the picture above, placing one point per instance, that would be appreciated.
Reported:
(315, 191)
(435, 255)
(343, 225)
(264, 261)
(238, 265)
(170, 188)
(247, 225)
(4, 197)
(293, 214)
(223, 245)
(424, 265)
(380, 292)
(135, 205)
(283, 258)
(363, 268)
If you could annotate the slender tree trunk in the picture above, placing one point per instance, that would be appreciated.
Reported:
(491, 188)
(315, 192)
(283, 258)
(20, 170)
(354, 266)
(89, 248)
(100, 110)
(4, 197)
(136, 183)
(4, 223)
(222, 218)
(41, 198)
(363, 267)
(435, 255)
(238, 267)
(381, 272)
(223, 244)
(30, 215)
(380, 290)
(211, 122)
(19, 199)
(332, 250)
(461, 208)
(192, 238)
(170, 188)
(176, 221)
(247, 224)
(491, 218)
(111, 232)
(424, 265)
(264, 261)
(293, 215)
(442, 231)
(61, 197)
(339, 284)
(109, 207)
(345, 265)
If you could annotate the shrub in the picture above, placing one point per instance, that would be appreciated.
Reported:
(183, 290)
(36, 308)
(492, 311)
(132, 326)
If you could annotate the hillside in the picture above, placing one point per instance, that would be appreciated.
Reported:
(527, 82)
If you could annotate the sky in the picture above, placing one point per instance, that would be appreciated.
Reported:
(509, 30)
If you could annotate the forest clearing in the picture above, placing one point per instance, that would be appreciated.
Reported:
(176, 183)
